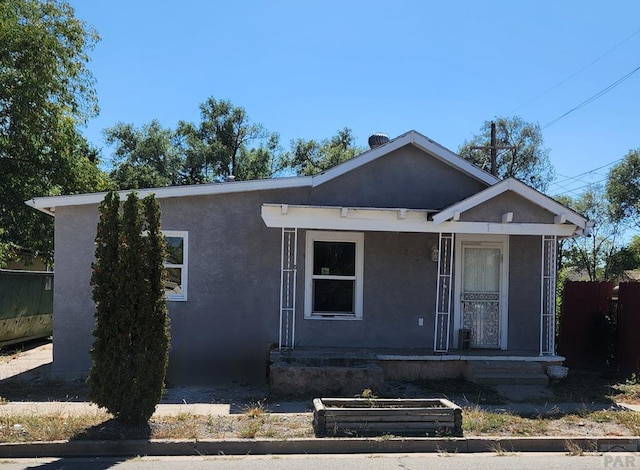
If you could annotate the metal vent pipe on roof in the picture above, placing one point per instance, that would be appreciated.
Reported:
(378, 139)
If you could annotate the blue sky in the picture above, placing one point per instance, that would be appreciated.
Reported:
(307, 69)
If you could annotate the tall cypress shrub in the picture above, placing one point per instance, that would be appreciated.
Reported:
(136, 326)
(105, 380)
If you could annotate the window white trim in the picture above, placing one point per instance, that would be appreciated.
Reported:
(184, 267)
(353, 237)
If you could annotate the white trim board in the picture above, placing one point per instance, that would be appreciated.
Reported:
(393, 220)
(47, 204)
(467, 357)
(563, 213)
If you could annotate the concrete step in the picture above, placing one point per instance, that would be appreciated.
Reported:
(510, 379)
(507, 366)
(507, 372)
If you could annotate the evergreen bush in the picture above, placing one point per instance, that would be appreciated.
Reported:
(131, 335)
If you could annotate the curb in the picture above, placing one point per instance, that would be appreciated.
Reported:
(356, 445)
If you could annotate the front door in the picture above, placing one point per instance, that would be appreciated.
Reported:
(481, 293)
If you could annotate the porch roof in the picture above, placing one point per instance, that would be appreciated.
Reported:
(398, 220)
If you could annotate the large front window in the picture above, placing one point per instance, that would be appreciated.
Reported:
(333, 267)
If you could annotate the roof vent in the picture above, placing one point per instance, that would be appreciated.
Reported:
(378, 139)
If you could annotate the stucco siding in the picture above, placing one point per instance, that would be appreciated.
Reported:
(72, 304)
(233, 284)
(524, 293)
(399, 288)
(523, 211)
(404, 178)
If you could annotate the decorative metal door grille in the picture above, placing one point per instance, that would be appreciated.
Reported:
(548, 296)
(288, 271)
(481, 316)
(444, 290)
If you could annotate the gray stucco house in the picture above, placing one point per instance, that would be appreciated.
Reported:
(407, 251)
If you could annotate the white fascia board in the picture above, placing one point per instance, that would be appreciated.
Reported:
(415, 138)
(511, 184)
(48, 204)
(392, 220)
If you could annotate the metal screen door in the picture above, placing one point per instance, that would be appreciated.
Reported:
(480, 297)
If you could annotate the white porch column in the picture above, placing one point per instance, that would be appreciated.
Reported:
(548, 295)
(444, 293)
(288, 270)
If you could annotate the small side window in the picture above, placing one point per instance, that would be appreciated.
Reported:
(176, 264)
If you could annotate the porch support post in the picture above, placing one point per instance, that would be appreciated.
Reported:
(288, 270)
(444, 293)
(548, 295)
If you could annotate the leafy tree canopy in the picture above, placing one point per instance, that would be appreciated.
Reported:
(592, 254)
(308, 157)
(527, 161)
(46, 91)
(145, 157)
(225, 143)
(627, 258)
(623, 188)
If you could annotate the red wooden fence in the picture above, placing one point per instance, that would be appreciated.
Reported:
(584, 306)
(597, 330)
(628, 347)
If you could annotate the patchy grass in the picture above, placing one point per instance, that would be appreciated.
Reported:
(631, 420)
(100, 426)
(626, 393)
(478, 422)
(24, 427)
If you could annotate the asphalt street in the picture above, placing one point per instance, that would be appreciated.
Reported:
(485, 461)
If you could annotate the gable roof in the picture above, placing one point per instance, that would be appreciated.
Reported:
(562, 213)
(48, 204)
(410, 138)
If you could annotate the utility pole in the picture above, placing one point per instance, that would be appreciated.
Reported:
(494, 149)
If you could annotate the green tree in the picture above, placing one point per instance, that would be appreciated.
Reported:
(527, 161)
(130, 351)
(46, 92)
(144, 158)
(309, 157)
(592, 254)
(623, 189)
(106, 381)
(226, 143)
(627, 258)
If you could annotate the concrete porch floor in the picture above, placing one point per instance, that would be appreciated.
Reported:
(343, 370)
(392, 354)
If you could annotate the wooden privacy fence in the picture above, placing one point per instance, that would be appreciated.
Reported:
(597, 328)
(628, 328)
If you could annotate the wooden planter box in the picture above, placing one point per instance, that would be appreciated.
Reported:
(364, 416)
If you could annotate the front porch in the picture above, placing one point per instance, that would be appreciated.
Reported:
(346, 371)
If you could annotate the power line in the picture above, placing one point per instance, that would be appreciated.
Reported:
(549, 90)
(569, 178)
(602, 92)
(582, 187)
